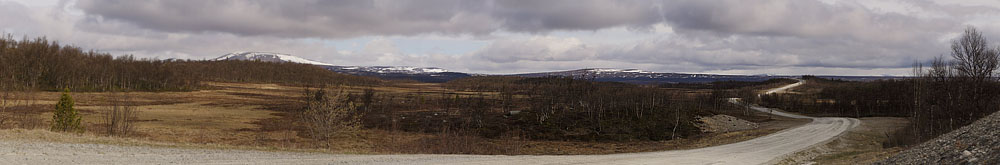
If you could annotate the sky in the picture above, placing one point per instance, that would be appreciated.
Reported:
(785, 37)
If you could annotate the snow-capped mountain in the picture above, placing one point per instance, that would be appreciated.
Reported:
(268, 56)
(613, 73)
(613, 70)
(390, 69)
(279, 57)
(636, 76)
(644, 77)
(423, 74)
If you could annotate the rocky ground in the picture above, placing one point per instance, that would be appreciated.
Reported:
(977, 143)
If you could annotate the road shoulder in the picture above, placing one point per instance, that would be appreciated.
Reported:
(859, 145)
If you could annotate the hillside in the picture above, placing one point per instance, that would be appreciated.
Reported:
(977, 143)
(421, 74)
(267, 57)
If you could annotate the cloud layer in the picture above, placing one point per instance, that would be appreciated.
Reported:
(354, 18)
(717, 36)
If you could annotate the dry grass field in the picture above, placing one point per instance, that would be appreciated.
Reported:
(259, 116)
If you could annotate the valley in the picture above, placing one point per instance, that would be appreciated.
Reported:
(232, 136)
(699, 82)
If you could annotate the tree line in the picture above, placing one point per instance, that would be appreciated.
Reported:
(39, 64)
(943, 95)
(887, 98)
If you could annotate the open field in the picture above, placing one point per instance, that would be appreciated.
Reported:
(756, 150)
(259, 116)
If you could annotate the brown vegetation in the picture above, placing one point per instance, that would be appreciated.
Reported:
(328, 114)
(120, 117)
(266, 115)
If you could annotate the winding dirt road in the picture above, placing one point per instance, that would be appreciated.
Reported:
(763, 150)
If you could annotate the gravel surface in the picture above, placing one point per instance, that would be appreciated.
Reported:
(724, 123)
(766, 149)
(976, 143)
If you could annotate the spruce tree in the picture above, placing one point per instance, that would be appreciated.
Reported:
(65, 118)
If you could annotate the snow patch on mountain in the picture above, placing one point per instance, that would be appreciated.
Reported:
(268, 56)
(394, 69)
(613, 70)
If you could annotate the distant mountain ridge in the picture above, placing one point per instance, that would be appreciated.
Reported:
(391, 69)
(437, 75)
(267, 56)
(422, 74)
(637, 76)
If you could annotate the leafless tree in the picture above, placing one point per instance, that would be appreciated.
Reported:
(953, 93)
(329, 114)
(973, 56)
(918, 97)
(120, 116)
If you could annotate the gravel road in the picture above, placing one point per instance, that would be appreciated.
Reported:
(763, 150)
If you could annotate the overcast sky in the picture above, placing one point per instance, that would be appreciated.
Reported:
(841, 37)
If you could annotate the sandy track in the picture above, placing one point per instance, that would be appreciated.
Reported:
(767, 149)
(786, 87)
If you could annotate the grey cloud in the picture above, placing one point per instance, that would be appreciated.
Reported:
(700, 53)
(536, 49)
(296, 18)
(725, 36)
(122, 38)
(800, 18)
(548, 15)
(351, 18)
(748, 52)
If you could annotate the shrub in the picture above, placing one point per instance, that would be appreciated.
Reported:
(120, 117)
(327, 115)
(65, 118)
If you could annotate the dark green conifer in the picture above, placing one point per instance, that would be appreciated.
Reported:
(65, 118)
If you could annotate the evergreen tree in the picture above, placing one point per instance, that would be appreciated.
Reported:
(65, 118)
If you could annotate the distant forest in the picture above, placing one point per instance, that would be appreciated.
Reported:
(39, 64)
